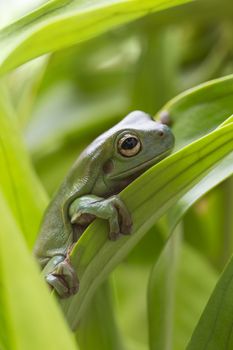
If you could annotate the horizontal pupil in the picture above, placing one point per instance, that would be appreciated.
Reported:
(129, 143)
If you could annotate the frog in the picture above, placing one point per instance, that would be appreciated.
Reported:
(91, 190)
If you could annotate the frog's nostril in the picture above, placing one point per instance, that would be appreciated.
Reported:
(161, 133)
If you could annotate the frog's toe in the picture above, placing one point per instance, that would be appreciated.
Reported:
(125, 219)
(126, 226)
(58, 284)
(113, 236)
(64, 280)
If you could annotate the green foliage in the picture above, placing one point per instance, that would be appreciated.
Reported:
(61, 23)
(215, 317)
(98, 324)
(18, 180)
(172, 313)
(51, 108)
(25, 324)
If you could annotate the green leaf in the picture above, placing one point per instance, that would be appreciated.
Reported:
(148, 198)
(194, 113)
(211, 217)
(214, 330)
(18, 182)
(98, 329)
(157, 68)
(130, 282)
(62, 23)
(29, 317)
(199, 110)
(165, 323)
(177, 294)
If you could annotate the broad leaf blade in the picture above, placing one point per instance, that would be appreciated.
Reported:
(18, 182)
(221, 172)
(62, 23)
(199, 110)
(29, 317)
(148, 198)
(177, 294)
(214, 330)
(98, 329)
(195, 112)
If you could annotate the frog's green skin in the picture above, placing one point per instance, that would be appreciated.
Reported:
(90, 189)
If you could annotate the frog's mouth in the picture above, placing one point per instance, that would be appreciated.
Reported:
(141, 167)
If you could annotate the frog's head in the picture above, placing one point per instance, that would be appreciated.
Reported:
(138, 143)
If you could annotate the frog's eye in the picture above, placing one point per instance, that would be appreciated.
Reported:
(129, 145)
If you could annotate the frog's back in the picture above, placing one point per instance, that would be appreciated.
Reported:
(86, 177)
(55, 231)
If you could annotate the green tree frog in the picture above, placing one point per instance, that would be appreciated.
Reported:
(90, 190)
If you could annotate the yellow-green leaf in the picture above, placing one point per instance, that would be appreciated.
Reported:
(29, 317)
(18, 181)
(214, 330)
(62, 23)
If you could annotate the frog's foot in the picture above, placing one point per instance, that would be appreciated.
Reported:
(120, 222)
(111, 209)
(63, 279)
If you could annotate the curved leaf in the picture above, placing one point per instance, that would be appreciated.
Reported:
(220, 173)
(98, 329)
(62, 23)
(194, 113)
(177, 294)
(191, 110)
(214, 330)
(29, 318)
(148, 198)
(199, 110)
(18, 182)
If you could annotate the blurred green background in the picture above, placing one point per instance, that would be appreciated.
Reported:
(64, 100)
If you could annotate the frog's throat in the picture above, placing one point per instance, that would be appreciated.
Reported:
(141, 166)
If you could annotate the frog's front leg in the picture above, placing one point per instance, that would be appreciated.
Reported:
(84, 209)
(60, 274)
